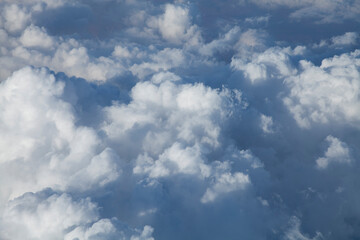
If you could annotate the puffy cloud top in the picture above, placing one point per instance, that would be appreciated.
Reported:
(329, 92)
(144, 120)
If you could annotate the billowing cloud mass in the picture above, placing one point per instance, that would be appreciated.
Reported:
(144, 120)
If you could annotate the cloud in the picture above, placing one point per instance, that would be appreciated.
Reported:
(43, 140)
(337, 152)
(174, 160)
(224, 183)
(325, 93)
(325, 11)
(348, 38)
(36, 37)
(190, 113)
(39, 216)
(266, 124)
(174, 24)
(295, 233)
(37, 48)
(190, 126)
(105, 229)
(163, 60)
(345, 40)
(272, 63)
(143, 120)
(15, 18)
(47, 215)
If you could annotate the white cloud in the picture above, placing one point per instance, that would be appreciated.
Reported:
(349, 38)
(47, 215)
(189, 113)
(326, 93)
(257, 20)
(42, 139)
(105, 229)
(266, 123)
(24, 43)
(38, 49)
(102, 229)
(146, 234)
(34, 36)
(273, 63)
(122, 52)
(222, 43)
(37, 216)
(250, 40)
(157, 132)
(225, 182)
(236, 41)
(337, 152)
(190, 117)
(15, 18)
(294, 231)
(164, 76)
(175, 25)
(72, 58)
(173, 161)
(163, 60)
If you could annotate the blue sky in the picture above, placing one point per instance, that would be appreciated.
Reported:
(143, 120)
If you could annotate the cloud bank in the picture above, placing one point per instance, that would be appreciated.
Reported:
(152, 120)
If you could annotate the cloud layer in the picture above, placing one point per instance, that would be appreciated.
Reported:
(179, 120)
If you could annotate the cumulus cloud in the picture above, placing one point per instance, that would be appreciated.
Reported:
(36, 37)
(15, 18)
(336, 152)
(179, 120)
(326, 93)
(37, 216)
(42, 139)
(272, 63)
(47, 215)
(225, 182)
(189, 113)
(105, 229)
(174, 25)
(191, 118)
(163, 60)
